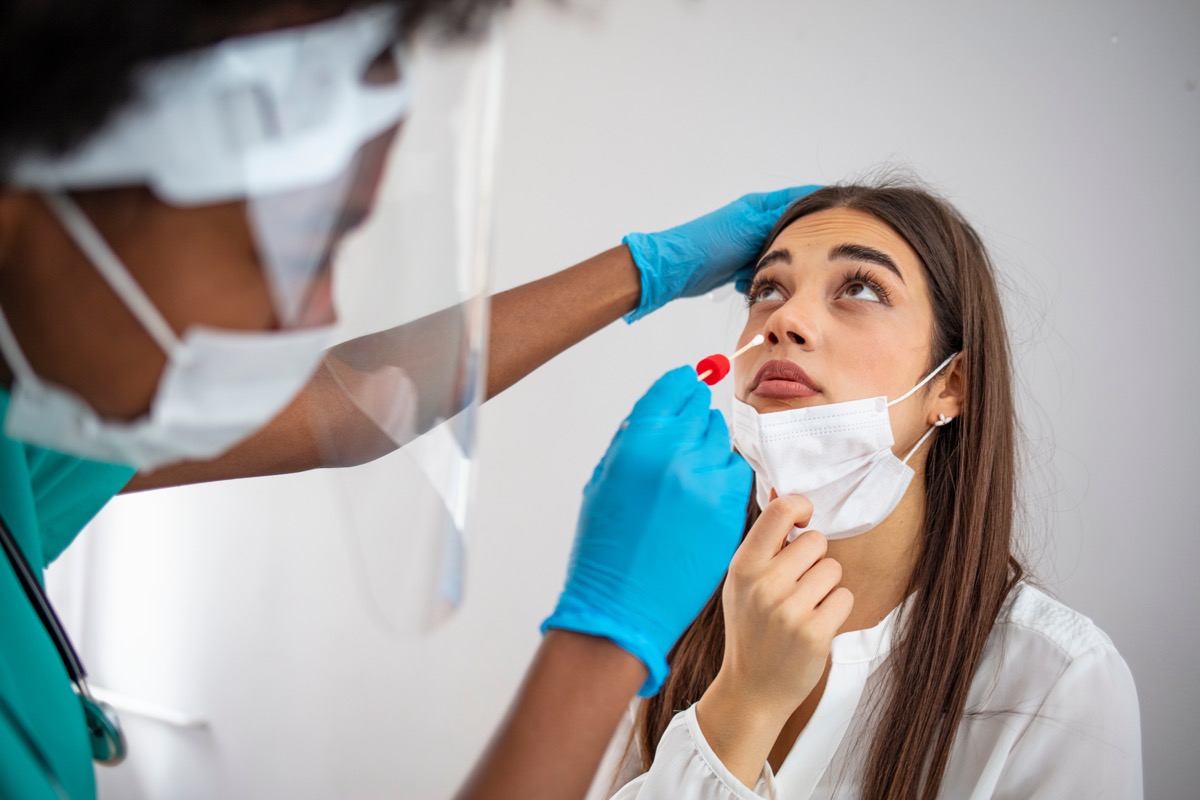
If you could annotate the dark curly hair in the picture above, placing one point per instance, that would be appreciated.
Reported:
(66, 65)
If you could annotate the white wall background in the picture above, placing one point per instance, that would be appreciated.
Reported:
(1068, 132)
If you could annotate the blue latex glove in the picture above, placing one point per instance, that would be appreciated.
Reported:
(708, 252)
(662, 516)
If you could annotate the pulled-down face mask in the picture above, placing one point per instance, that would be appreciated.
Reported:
(837, 455)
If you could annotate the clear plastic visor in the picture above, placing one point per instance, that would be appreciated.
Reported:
(408, 275)
(315, 166)
(395, 249)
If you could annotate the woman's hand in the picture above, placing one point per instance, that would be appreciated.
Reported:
(783, 606)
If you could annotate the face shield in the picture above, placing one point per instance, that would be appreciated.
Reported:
(412, 358)
(364, 173)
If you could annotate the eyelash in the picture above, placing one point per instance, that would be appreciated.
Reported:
(867, 278)
(756, 286)
(859, 275)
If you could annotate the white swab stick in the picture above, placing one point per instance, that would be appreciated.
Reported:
(755, 342)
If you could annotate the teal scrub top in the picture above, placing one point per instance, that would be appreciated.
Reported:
(46, 498)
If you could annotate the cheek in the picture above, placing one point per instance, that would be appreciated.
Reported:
(215, 283)
(199, 266)
(320, 309)
(879, 353)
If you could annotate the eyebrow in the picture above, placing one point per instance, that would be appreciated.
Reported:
(770, 258)
(844, 252)
(860, 252)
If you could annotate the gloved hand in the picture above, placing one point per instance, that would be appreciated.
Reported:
(708, 252)
(662, 516)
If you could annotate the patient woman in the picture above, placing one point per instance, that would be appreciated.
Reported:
(894, 648)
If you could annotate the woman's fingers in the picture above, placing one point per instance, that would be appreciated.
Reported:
(783, 606)
(835, 609)
(795, 578)
(797, 573)
(805, 550)
(817, 583)
(768, 535)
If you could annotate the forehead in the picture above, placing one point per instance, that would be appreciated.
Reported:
(814, 235)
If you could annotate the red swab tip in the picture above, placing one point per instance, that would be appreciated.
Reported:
(717, 367)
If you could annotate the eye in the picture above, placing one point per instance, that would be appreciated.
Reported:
(860, 291)
(763, 289)
(862, 286)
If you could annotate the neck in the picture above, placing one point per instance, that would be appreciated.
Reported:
(877, 565)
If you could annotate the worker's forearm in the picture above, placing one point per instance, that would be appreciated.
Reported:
(535, 322)
(556, 732)
(287, 444)
(529, 325)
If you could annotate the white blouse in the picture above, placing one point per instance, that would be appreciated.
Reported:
(1059, 719)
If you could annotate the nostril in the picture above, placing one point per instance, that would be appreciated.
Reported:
(795, 337)
(772, 338)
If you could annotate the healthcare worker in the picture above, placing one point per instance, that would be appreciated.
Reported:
(176, 181)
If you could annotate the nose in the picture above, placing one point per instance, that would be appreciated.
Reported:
(792, 323)
(791, 335)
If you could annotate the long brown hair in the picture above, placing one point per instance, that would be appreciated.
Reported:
(967, 564)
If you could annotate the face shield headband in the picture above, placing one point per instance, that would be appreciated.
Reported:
(294, 124)
(252, 115)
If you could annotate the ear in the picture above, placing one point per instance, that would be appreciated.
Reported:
(952, 391)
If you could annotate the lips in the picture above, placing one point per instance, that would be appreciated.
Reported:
(782, 380)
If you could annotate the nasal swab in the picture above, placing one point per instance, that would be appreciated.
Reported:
(712, 369)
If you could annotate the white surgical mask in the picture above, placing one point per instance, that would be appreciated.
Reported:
(837, 455)
(248, 116)
(218, 386)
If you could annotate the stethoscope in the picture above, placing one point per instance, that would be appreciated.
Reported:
(104, 729)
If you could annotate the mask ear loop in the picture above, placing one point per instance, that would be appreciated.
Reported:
(942, 418)
(941, 421)
(85, 236)
(924, 381)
